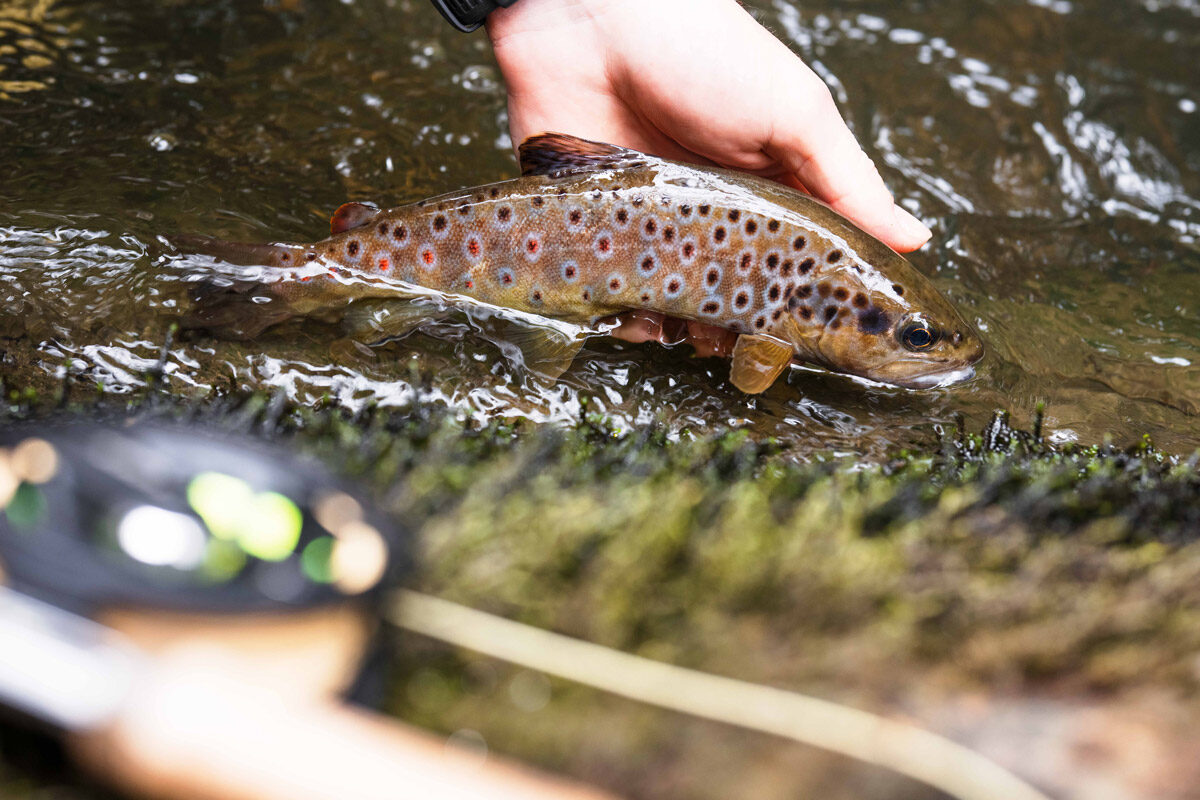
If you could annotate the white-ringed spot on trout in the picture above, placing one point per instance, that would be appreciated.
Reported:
(734, 215)
(772, 261)
(650, 228)
(602, 246)
(473, 249)
(741, 298)
(712, 306)
(773, 293)
(745, 262)
(575, 219)
(712, 277)
(720, 236)
(384, 264)
(673, 285)
(834, 257)
(799, 243)
(532, 246)
(439, 226)
(806, 266)
(622, 216)
(751, 228)
(352, 248)
(687, 250)
(400, 235)
(569, 271)
(504, 218)
(535, 296)
(505, 277)
(648, 263)
(704, 209)
(615, 283)
(773, 226)
(668, 233)
(428, 258)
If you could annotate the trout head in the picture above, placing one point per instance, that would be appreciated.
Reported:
(880, 319)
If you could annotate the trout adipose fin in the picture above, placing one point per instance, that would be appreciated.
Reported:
(349, 216)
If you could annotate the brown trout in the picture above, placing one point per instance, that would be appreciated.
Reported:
(592, 230)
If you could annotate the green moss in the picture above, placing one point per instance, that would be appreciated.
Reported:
(990, 560)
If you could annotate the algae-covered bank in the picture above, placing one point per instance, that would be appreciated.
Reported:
(1040, 603)
(1031, 594)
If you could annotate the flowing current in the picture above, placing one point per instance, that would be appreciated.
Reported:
(1053, 147)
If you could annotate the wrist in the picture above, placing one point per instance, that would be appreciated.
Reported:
(468, 15)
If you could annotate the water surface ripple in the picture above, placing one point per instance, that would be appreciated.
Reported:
(1053, 146)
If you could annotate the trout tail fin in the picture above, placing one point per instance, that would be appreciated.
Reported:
(234, 309)
(243, 302)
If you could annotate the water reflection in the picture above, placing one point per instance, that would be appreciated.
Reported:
(1053, 147)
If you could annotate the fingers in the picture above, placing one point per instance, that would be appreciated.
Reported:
(811, 139)
(710, 340)
(652, 326)
(639, 326)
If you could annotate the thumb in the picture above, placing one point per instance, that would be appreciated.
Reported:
(812, 141)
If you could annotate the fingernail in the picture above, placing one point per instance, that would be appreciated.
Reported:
(909, 225)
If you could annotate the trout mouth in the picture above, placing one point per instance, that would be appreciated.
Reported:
(937, 380)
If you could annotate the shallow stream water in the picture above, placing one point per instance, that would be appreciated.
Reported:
(1053, 147)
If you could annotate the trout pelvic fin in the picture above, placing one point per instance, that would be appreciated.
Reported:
(557, 155)
(352, 215)
(757, 362)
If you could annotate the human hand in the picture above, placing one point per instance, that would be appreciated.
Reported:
(691, 80)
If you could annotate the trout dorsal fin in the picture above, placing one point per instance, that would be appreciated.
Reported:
(351, 215)
(556, 155)
(757, 362)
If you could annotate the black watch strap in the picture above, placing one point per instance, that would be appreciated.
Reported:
(467, 15)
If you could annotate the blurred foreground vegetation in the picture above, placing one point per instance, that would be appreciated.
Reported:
(993, 565)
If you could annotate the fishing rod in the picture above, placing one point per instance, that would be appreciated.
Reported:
(189, 610)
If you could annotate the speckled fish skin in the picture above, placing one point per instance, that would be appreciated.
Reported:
(592, 230)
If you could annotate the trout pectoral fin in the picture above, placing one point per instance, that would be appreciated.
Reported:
(557, 155)
(544, 350)
(352, 215)
(757, 362)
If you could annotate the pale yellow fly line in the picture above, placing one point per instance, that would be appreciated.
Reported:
(906, 749)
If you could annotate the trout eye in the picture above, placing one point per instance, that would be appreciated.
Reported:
(917, 335)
